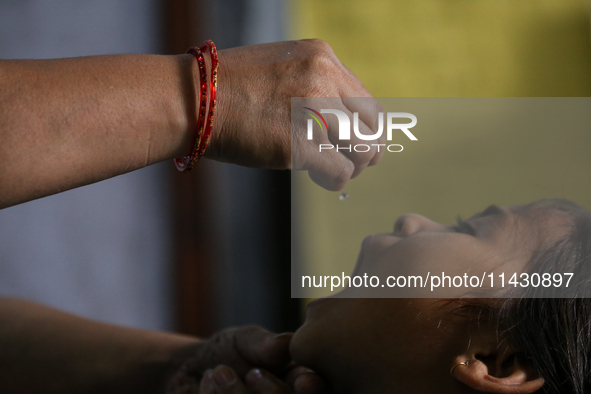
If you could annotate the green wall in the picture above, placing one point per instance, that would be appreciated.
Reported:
(437, 48)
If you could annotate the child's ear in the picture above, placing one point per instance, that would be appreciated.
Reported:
(491, 365)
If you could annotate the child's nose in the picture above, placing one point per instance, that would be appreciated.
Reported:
(412, 223)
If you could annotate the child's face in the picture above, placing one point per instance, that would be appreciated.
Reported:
(376, 345)
(494, 241)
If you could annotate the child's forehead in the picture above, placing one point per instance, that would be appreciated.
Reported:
(540, 222)
(538, 213)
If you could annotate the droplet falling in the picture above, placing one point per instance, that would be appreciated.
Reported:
(343, 196)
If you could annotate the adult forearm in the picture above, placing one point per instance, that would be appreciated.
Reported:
(69, 122)
(43, 350)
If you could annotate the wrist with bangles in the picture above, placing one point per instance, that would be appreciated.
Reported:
(206, 107)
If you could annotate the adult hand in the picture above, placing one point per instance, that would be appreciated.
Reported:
(243, 349)
(253, 121)
(223, 380)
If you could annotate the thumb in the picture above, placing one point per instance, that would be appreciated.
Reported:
(263, 348)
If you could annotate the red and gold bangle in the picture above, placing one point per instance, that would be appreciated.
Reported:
(185, 163)
(213, 84)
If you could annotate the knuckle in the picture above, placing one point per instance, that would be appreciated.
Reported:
(319, 43)
(320, 62)
(315, 75)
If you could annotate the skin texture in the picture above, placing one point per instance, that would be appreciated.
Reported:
(257, 92)
(409, 345)
(65, 123)
(69, 122)
(222, 380)
(49, 351)
(44, 350)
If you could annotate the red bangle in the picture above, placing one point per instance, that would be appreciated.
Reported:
(185, 163)
(213, 84)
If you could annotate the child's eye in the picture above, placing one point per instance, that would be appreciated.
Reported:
(464, 227)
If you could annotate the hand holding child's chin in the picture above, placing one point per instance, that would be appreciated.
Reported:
(237, 360)
(224, 380)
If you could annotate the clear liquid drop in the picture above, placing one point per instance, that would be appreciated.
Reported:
(343, 196)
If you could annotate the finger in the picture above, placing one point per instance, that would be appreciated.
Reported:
(310, 383)
(181, 383)
(376, 111)
(305, 381)
(367, 108)
(262, 348)
(207, 386)
(263, 382)
(381, 141)
(293, 373)
(357, 148)
(371, 117)
(242, 349)
(331, 162)
(223, 380)
(331, 170)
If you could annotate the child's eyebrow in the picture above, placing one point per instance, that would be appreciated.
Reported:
(491, 210)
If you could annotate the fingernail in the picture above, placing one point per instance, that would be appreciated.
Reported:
(207, 381)
(255, 377)
(304, 383)
(207, 376)
(223, 376)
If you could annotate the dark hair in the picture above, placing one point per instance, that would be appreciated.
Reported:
(554, 334)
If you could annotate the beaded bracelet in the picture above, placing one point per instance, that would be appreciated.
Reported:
(185, 163)
(213, 84)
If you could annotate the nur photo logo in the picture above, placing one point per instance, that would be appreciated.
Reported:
(391, 119)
